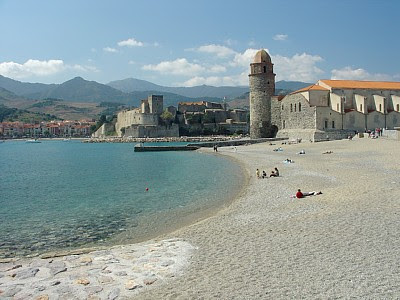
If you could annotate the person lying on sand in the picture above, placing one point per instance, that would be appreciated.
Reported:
(288, 161)
(300, 194)
(302, 152)
(327, 152)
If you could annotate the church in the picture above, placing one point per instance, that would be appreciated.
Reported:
(328, 109)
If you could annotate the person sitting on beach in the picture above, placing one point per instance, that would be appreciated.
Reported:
(264, 174)
(288, 161)
(273, 174)
(276, 172)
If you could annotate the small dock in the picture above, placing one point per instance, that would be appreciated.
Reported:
(141, 148)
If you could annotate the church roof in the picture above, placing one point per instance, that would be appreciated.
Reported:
(357, 84)
(312, 87)
(262, 56)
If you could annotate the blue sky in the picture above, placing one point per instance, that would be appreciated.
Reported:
(186, 43)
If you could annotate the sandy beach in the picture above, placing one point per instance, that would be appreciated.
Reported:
(264, 245)
(267, 245)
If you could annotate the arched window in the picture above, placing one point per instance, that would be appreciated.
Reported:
(361, 108)
(380, 107)
(283, 124)
(299, 106)
(265, 69)
(291, 107)
(295, 107)
(282, 106)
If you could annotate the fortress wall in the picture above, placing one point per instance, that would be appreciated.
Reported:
(133, 117)
(152, 131)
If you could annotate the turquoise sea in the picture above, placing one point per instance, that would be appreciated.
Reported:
(58, 195)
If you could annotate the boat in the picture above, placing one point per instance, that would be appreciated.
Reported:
(33, 141)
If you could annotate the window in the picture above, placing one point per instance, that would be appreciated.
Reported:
(333, 124)
(295, 107)
(283, 124)
(398, 107)
(361, 108)
(380, 107)
(337, 106)
(282, 106)
(291, 107)
(326, 124)
(265, 69)
(299, 106)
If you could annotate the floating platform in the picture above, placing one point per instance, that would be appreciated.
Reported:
(140, 148)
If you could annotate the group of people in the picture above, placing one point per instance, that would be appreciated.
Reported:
(274, 173)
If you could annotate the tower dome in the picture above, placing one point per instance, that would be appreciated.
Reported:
(262, 56)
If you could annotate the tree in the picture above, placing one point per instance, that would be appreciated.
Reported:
(167, 117)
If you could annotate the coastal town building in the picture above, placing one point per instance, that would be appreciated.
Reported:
(329, 109)
(46, 129)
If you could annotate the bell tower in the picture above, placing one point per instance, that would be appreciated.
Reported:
(262, 88)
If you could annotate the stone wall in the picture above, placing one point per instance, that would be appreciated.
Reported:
(262, 88)
(296, 113)
(276, 112)
(128, 118)
(103, 130)
(152, 131)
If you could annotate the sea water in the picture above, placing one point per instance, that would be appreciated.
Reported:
(58, 195)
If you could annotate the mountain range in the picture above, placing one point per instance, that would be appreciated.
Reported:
(128, 91)
(82, 98)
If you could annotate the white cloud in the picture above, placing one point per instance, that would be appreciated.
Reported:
(130, 43)
(179, 66)
(299, 67)
(31, 67)
(216, 69)
(234, 80)
(109, 49)
(280, 37)
(244, 59)
(349, 73)
(34, 67)
(220, 51)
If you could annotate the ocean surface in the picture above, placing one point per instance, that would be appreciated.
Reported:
(58, 195)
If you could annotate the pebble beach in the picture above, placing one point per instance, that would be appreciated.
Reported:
(263, 245)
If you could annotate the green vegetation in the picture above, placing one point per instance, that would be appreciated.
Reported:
(8, 114)
(46, 103)
(167, 117)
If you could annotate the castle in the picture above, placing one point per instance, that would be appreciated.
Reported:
(145, 120)
(329, 109)
(191, 118)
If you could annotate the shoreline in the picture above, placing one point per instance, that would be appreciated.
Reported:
(264, 244)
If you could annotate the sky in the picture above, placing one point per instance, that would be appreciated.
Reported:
(188, 43)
